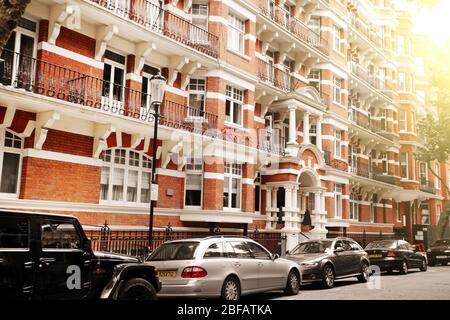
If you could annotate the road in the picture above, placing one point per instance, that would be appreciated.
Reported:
(432, 285)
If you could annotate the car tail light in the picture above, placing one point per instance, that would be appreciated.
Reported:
(391, 254)
(194, 272)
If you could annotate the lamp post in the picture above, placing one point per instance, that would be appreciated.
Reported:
(157, 87)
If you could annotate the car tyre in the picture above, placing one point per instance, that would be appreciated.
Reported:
(424, 265)
(137, 289)
(293, 283)
(404, 267)
(364, 276)
(328, 276)
(231, 289)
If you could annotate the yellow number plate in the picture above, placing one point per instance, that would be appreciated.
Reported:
(167, 274)
(375, 255)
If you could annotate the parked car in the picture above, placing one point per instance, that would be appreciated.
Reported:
(439, 252)
(48, 256)
(420, 248)
(398, 255)
(330, 259)
(220, 266)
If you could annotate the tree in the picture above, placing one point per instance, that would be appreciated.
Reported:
(434, 128)
(10, 13)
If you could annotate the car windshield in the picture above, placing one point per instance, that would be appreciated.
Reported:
(385, 244)
(444, 242)
(311, 247)
(174, 251)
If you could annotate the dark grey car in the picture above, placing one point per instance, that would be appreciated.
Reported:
(330, 259)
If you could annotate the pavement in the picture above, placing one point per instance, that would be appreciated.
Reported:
(433, 284)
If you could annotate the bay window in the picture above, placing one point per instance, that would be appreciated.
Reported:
(403, 121)
(354, 207)
(125, 176)
(337, 90)
(197, 91)
(338, 200)
(337, 143)
(404, 164)
(232, 185)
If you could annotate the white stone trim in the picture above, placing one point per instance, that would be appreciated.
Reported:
(170, 173)
(218, 19)
(70, 55)
(63, 157)
(247, 181)
(231, 79)
(213, 175)
(215, 95)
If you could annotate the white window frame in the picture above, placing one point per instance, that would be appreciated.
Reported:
(337, 90)
(236, 34)
(118, 103)
(337, 144)
(404, 164)
(336, 38)
(401, 81)
(233, 171)
(403, 120)
(354, 207)
(338, 201)
(19, 151)
(193, 89)
(194, 166)
(19, 31)
(200, 20)
(235, 96)
(143, 158)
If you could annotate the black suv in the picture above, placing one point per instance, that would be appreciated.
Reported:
(439, 253)
(48, 256)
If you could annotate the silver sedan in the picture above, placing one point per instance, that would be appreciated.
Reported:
(221, 267)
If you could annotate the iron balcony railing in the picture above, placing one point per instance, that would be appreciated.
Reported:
(283, 79)
(159, 20)
(299, 29)
(51, 80)
(58, 82)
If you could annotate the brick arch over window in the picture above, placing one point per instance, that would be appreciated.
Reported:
(311, 151)
(125, 176)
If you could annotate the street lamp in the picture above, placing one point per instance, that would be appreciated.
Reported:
(157, 87)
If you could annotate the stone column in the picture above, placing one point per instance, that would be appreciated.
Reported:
(319, 133)
(306, 128)
(292, 126)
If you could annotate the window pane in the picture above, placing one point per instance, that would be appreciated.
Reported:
(104, 183)
(14, 233)
(145, 187)
(10, 172)
(214, 251)
(241, 250)
(56, 235)
(118, 184)
(132, 186)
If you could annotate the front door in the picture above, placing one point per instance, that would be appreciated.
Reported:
(63, 270)
(243, 263)
(17, 267)
(270, 274)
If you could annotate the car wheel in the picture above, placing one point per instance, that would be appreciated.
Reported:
(404, 267)
(328, 276)
(293, 283)
(423, 266)
(231, 290)
(389, 270)
(137, 289)
(364, 276)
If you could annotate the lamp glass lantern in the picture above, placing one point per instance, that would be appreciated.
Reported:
(157, 87)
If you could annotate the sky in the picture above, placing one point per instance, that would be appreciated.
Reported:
(434, 22)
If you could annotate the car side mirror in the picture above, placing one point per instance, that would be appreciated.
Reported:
(275, 256)
(87, 244)
(338, 249)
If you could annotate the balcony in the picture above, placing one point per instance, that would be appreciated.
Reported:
(42, 78)
(427, 186)
(284, 80)
(155, 19)
(365, 171)
(296, 27)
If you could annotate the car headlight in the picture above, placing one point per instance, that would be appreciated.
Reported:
(447, 251)
(309, 264)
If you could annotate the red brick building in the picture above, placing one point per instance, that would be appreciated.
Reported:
(271, 108)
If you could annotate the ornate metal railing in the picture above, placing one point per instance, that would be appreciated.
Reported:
(159, 20)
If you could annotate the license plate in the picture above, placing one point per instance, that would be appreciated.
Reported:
(441, 257)
(167, 274)
(375, 255)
